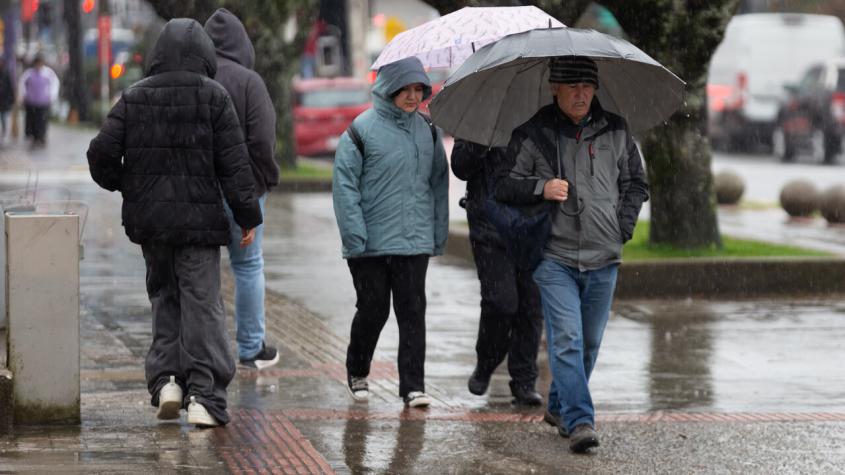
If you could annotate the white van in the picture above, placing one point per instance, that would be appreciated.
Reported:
(759, 55)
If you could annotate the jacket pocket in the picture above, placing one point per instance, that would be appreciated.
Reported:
(605, 222)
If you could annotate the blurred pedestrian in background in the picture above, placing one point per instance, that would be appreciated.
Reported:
(235, 60)
(7, 99)
(390, 190)
(173, 147)
(39, 88)
(511, 320)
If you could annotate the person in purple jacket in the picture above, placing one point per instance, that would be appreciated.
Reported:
(39, 88)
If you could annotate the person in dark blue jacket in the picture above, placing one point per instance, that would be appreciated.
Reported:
(511, 320)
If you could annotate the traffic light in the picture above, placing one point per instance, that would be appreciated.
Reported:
(116, 70)
(88, 6)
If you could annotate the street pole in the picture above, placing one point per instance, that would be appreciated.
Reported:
(74, 81)
(358, 21)
(104, 53)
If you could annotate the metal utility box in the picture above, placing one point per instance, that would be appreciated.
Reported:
(42, 301)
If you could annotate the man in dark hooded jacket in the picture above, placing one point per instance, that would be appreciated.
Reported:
(235, 59)
(169, 145)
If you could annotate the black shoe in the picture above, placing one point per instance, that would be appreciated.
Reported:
(583, 438)
(525, 395)
(561, 431)
(479, 382)
(551, 419)
(267, 357)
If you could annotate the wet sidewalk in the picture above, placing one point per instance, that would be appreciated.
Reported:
(681, 386)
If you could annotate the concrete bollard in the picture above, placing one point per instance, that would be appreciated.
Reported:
(729, 188)
(42, 281)
(799, 198)
(833, 204)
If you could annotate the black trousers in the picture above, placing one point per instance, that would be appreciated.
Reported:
(511, 314)
(189, 325)
(375, 279)
(35, 122)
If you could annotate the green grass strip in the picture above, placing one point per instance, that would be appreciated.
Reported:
(307, 172)
(639, 249)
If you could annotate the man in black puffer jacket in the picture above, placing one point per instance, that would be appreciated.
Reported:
(169, 145)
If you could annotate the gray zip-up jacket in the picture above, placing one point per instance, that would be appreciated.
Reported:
(605, 172)
(235, 60)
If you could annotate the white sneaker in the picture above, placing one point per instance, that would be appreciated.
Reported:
(199, 416)
(417, 399)
(169, 400)
(358, 388)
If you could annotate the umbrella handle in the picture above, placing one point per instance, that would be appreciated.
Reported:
(579, 209)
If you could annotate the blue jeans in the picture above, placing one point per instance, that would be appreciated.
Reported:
(576, 306)
(248, 268)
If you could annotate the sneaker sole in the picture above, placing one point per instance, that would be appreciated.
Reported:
(582, 446)
(357, 398)
(524, 403)
(262, 364)
(417, 403)
(169, 410)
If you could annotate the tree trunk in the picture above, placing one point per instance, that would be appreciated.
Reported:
(683, 205)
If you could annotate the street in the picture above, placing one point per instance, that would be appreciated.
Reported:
(681, 386)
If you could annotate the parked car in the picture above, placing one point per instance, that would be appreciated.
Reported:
(323, 109)
(813, 117)
(760, 53)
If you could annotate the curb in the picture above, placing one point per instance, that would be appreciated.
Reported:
(7, 403)
(301, 185)
(712, 278)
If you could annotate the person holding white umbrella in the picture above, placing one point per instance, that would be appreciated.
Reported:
(581, 157)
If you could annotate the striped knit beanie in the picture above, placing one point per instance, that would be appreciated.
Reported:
(572, 70)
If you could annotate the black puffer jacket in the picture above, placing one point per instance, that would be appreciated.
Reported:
(235, 60)
(171, 143)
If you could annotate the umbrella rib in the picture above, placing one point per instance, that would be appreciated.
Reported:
(499, 116)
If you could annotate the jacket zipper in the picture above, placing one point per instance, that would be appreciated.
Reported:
(592, 158)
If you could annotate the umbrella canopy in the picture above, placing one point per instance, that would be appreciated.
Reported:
(449, 40)
(505, 83)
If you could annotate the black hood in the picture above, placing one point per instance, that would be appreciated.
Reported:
(183, 46)
(230, 38)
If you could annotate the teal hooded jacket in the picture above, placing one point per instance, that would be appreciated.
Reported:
(394, 200)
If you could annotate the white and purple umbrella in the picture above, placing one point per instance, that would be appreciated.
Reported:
(449, 40)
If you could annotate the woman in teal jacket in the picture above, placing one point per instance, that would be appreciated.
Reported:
(390, 195)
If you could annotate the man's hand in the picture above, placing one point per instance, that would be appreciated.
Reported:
(248, 235)
(556, 190)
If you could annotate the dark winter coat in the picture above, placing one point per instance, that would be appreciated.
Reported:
(7, 90)
(604, 168)
(394, 200)
(171, 143)
(475, 164)
(235, 60)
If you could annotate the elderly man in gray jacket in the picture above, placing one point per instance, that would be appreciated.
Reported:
(576, 154)
(235, 59)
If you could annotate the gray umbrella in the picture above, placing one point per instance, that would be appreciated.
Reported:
(505, 83)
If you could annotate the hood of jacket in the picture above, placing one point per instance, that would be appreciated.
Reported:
(230, 38)
(393, 77)
(183, 45)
